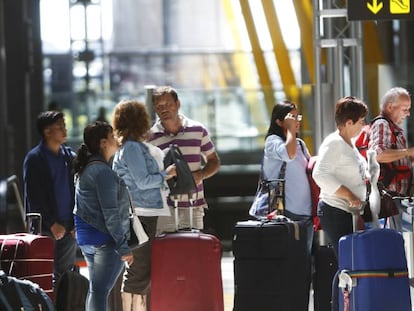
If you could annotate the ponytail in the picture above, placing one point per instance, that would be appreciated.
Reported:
(81, 159)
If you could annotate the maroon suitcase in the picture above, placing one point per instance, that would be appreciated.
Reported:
(28, 256)
(186, 272)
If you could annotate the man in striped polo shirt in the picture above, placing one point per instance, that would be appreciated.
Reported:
(195, 143)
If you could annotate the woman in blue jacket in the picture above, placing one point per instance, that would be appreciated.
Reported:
(101, 213)
(140, 164)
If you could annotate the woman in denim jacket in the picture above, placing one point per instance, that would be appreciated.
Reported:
(141, 166)
(101, 213)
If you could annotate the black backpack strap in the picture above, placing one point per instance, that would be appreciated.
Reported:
(392, 128)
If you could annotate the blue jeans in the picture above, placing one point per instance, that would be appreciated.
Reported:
(104, 266)
(335, 222)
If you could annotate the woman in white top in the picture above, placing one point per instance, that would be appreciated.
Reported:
(141, 167)
(281, 146)
(340, 171)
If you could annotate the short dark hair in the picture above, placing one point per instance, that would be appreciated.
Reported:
(164, 90)
(47, 118)
(349, 108)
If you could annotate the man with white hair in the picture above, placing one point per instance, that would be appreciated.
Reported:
(388, 139)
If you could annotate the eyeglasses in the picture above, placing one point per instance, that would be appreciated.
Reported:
(297, 117)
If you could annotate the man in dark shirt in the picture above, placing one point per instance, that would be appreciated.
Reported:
(49, 189)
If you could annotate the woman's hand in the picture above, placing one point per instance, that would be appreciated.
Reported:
(290, 122)
(355, 203)
(128, 258)
(171, 171)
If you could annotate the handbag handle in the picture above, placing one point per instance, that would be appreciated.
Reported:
(176, 149)
(281, 180)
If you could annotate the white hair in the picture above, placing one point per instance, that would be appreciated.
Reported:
(392, 96)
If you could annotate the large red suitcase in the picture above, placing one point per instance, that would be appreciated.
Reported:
(186, 272)
(28, 256)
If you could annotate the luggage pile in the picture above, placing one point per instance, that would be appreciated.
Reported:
(271, 266)
(26, 262)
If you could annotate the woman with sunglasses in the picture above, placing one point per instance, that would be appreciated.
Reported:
(283, 146)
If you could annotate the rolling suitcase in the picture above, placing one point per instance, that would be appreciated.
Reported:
(186, 272)
(373, 273)
(271, 266)
(28, 256)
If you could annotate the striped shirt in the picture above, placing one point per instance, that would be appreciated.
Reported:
(381, 140)
(195, 144)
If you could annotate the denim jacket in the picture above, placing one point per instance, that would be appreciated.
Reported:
(141, 173)
(102, 200)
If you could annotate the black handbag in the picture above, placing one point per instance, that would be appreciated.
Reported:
(388, 207)
(184, 182)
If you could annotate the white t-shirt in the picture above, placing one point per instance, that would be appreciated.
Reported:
(339, 164)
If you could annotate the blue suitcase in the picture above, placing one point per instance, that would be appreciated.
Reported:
(373, 270)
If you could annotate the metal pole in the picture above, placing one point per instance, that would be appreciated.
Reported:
(317, 87)
(359, 66)
(148, 101)
(3, 95)
(339, 72)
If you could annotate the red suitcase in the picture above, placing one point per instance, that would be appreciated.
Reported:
(186, 272)
(28, 256)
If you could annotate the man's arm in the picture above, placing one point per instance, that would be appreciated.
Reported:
(212, 166)
(381, 140)
(391, 155)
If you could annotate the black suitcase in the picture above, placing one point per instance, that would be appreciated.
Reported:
(325, 267)
(271, 266)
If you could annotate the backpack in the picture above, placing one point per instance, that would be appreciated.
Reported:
(71, 291)
(16, 294)
(389, 171)
(184, 182)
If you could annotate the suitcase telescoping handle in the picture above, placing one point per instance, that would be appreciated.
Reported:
(12, 181)
(176, 218)
(34, 223)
